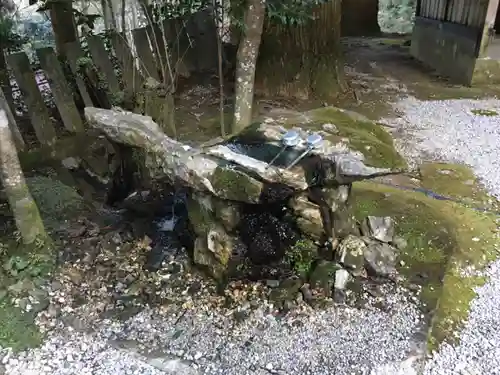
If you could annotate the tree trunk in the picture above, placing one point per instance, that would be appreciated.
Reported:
(302, 61)
(108, 15)
(63, 24)
(5, 78)
(246, 63)
(356, 23)
(24, 208)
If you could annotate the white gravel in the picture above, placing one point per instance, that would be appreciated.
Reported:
(340, 341)
(450, 131)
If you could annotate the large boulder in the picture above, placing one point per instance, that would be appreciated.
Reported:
(241, 207)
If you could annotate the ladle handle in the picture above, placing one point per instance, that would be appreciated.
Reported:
(308, 150)
(277, 156)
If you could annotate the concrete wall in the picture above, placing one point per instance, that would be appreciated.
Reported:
(450, 49)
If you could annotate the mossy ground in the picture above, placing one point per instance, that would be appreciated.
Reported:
(443, 238)
(21, 263)
(455, 181)
(364, 135)
(34, 263)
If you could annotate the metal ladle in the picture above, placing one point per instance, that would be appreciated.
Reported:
(313, 141)
(290, 139)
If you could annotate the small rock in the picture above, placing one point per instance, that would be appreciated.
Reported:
(380, 259)
(399, 242)
(381, 228)
(76, 231)
(55, 285)
(339, 296)
(341, 279)
(351, 251)
(330, 128)
(21, 286)
(323, 276)
(272, 283)
(75, 276)
(53, 311)
(306, 293)
(71, 163)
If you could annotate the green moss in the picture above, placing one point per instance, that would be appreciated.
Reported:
(234, 185)
(454, 181)
(56, 202)
(26, 264)
(199, 216)
(443, 237)
(302, 255)
(17, 329)
(484, 112)
(364, 135)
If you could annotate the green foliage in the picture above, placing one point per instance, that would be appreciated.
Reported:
(10, 39)
(288, 12)
(163, 10)
(396, 16)
(17, 329)
(301, 256)
(292, 12)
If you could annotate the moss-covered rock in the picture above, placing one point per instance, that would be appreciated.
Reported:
(443, 237)
(234, 185)
(323, 276)
(356, 131)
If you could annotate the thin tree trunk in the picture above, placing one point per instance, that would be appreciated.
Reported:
(24, 208)
(124, 32)
(108, 14)
(218, 17)
(63, 24)
(246, 63)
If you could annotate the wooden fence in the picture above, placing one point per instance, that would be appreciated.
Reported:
(186, 48)
(464, 12)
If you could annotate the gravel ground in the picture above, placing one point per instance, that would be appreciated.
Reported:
(454, 131)
(200, 341)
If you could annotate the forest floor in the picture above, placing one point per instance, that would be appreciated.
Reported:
(103, 314)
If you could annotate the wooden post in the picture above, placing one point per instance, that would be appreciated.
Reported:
(101, 60)
(74, 53)
(144, 53)
(39, 114)
(132, 79)
(14, 129)
(60, 89)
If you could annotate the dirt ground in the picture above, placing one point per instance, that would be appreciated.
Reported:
(378, 70)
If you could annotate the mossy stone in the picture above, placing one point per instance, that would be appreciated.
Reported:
(442, 238)
(234, 185)
(364, 135)
(287, 290)
(323, 276)
(200, 213)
